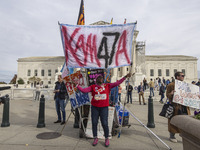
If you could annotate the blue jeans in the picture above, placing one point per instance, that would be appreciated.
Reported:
(151, 91)
(60, 106)
(129, 95)
(101, 112)
(37, 95)
(162, 96)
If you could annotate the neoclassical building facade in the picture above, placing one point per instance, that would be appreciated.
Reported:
(44, 68)
(47, 68)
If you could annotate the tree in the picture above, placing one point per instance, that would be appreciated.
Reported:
(20, 81)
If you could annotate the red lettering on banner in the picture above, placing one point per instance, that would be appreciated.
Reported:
(68, 44)
(90, 47)
(122, 41)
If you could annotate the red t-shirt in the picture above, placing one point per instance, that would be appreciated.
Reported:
(100, 94)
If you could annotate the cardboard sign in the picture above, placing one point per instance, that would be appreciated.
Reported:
(186, 94)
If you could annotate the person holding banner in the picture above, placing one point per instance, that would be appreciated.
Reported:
(178, 108)
(99, 104)
(60, 95)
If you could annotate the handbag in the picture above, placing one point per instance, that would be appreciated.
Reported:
(167, 111)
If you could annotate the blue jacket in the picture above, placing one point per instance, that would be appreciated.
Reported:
(139, 87)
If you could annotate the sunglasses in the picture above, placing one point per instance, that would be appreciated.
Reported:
(182, 75)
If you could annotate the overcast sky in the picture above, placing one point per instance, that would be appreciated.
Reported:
(30, 28)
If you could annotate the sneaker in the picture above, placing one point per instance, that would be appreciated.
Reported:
(62, 123)
(107, 143)
(161, 102)
(95, 142)
(58, 121)
(173, 140)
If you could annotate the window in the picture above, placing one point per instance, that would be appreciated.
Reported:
(42, 72)
(35, 73)
(56, 70)
(118, 69)
(127, 69)
(49, 82)
(159, 72)
(175, 70)
(29, 73)
(167, 72)
(49, 72)
(151, 72)
(183, 71)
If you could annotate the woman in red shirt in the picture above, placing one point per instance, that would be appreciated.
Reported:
(100, 102)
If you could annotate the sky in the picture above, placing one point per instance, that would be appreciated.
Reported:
(30, 28)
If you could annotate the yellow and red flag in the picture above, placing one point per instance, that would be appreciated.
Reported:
(81, 16)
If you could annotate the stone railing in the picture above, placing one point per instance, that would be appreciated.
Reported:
(190, 131)
(28, 93)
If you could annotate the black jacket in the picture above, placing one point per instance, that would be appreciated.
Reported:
(63, 91)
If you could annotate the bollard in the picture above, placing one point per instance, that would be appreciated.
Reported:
(5, 119)
(41, 117)
(150, 123)
(76, 119)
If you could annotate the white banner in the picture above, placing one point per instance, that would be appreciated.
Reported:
(105, 46)
(186, 94)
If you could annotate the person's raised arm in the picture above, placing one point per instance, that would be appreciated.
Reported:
(84, 90)
(120, 81)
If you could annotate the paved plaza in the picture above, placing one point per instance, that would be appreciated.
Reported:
(21, 135)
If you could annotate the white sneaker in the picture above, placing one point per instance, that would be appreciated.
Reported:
(173, 140)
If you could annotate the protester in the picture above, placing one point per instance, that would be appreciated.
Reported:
(130, 89)
(159, 83)
(99, 105)
(185, 110)
(119, 92)
(198, 83)
(173, 80)
(193, 82)
(37, 93)
(163, 81)
(60, 95)
(141, 93)
(145, 83)
(162, 92)
(151, 85)
(167, 82)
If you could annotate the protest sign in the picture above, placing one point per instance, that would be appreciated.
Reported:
(186, 94)
(92, 46)
(93, 74)
(81, 98)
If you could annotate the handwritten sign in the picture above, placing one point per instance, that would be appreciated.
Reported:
(81, 98)
(186, 94)
(106, 46)
(93, 74)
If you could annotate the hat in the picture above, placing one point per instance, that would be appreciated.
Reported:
(99, 75)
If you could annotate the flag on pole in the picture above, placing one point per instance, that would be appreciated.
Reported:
(111, 21)
(125, 21)
(81, 16)
(81, 21)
